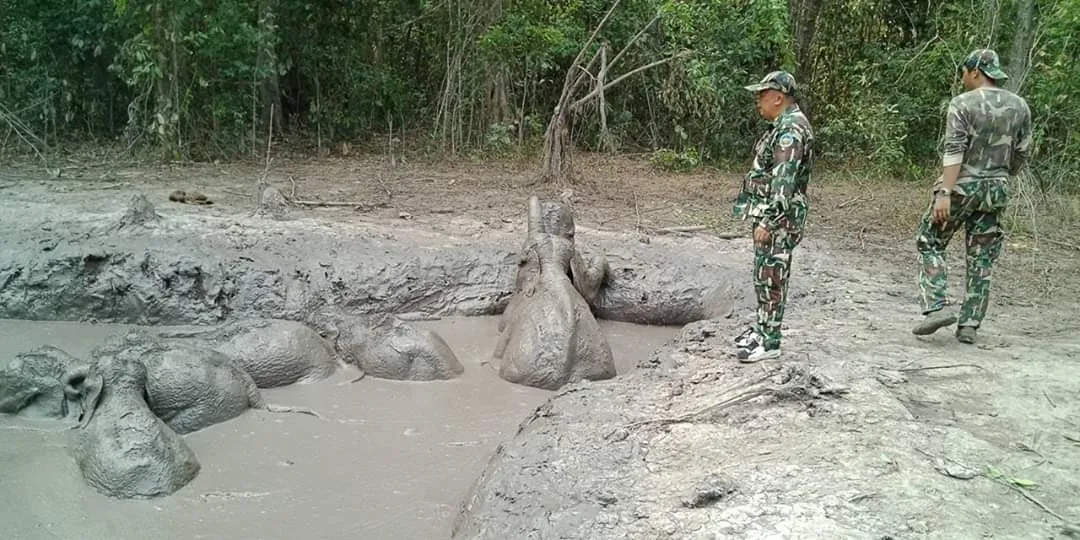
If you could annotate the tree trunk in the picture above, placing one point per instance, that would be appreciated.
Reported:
(165, 110)
(557, 158)
(269, 86)
(1021, 45)
(805, 18)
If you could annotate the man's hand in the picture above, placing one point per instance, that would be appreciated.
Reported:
(942, 205)
(761, 236)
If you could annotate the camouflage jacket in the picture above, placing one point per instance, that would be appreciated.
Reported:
(987, 132)
(776, 185)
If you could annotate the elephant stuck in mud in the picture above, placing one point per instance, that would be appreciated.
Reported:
(548, 336)
(274, 352)
(386, 347)
(122, 449)
(188, 387)
(31, 383)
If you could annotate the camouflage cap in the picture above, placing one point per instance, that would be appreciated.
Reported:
(987, 61)
(780, 80)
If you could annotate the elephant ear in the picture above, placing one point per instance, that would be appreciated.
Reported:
(84, 386)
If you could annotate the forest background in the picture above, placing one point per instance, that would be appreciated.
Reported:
(206, 80)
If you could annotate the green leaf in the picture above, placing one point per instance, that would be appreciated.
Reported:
(1022, 482)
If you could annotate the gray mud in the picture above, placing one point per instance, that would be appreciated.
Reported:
(388, 459)
(195, 269)
(875, 447)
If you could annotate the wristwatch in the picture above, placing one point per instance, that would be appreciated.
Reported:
(944, 191)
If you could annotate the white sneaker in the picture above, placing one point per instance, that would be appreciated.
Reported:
(757, 353)
(747, 338)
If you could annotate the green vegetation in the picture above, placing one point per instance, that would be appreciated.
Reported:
(202, 79)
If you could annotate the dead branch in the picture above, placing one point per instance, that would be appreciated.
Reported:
(635, 39)
(928, 368)
(680, 229)
(848, 203)
(262, 184)
(626, 75)
(797, 383)
(1062, 244)
(360, 206)
(1031, 498)
(1066, 525)
(595, 32)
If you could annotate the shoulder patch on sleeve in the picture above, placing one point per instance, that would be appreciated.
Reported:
(786, 140)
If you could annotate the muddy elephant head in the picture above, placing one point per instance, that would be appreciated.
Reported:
(31, 384)
(122, 449)
(548, 336)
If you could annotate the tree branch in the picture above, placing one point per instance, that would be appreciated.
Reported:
(619, 79)
(585, 47)
(634, 40)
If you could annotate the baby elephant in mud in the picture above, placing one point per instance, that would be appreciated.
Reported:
(121, 447)
(31, 384)
(274, 352)
(548, 336)
(190, 388)
(387, 347)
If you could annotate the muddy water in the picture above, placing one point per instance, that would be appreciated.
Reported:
(388, 459)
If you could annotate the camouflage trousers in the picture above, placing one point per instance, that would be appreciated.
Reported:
(977, 207)
(772, 270)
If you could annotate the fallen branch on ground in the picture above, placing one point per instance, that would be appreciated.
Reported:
(848, 203)
(680, 229)
(366, 207)
(1011, 483)
(795, 384)
(928, 368)
(1061, 244)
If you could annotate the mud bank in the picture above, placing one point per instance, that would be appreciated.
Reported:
(839, 439)
(387, 459)
(180, 268)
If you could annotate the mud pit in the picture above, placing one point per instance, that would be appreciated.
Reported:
(849, 437)
(388, 459)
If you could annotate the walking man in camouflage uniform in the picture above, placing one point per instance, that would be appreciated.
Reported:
(774, 198)
(987, 139)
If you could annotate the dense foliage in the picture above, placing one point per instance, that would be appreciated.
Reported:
(202, 78)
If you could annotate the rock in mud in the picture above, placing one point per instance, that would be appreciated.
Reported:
(138, 213)
(121, 447)
(387, 347)
(548, 336)
(273, 352)
(272, 203)
(31, 384)
(189, 197)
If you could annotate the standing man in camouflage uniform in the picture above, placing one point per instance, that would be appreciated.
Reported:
(774, 198)
(987, 139)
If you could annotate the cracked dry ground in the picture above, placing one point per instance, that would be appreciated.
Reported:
(857, 439)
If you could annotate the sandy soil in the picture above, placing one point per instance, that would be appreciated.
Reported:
(852, 307)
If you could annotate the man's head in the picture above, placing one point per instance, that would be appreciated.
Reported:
(981, 67)
(775, 93)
